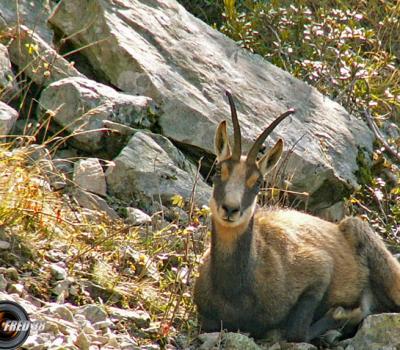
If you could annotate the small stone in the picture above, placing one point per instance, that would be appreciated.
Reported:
(113, 342)
(140, 318)
(127, 343)
(100, 339)
(61, 288)
(56, 343)
(209, 340)
(12, 273)
(58, 272)
(4, 245)
(74, 290)
(8, 117)
(137, 217)
(88, 329)
(151, 347)
(3, 283)
(82, 341)
(89, 175)
(237, 341)
(93, 313)
(51, 327)
(35, 341)
(298, 346)
(102, 324)
(93, 204)
(63, 312)
(16, 288)
(81, 319)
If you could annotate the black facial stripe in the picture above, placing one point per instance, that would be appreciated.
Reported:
(250, 193)
(219, 185)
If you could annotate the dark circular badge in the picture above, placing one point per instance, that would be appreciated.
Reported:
(14, 325)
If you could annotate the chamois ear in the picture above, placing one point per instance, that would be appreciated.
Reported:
(268, 161)
(221, 142)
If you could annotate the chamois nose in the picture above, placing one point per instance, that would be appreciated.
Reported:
(230, 210)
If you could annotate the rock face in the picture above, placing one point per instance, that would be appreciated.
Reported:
(37, 59)
(161, 51)
(82, 106)
(151, 168)
(32, 13)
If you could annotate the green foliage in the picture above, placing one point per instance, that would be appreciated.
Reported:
(347, 50)
(207, 10)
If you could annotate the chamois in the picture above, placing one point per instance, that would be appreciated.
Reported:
(271, 268)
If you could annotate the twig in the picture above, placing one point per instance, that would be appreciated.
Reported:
(379, 136)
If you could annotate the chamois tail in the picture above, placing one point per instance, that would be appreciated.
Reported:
(383, 266)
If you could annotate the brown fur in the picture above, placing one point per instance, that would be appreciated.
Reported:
(276, 268)
(294, 251)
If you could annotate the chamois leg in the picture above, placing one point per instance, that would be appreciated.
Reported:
(301, 316)
(384, 267)
(338, 318)
(344, 320)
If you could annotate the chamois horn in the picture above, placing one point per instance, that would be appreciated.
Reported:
(252, 156)
(237, 137)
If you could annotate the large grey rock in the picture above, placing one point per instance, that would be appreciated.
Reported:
(8, 116)
(37, 59)
(378, 332)
(151, 168)
(32, 13)
(82, 106)
(8, 85)
(159, 50)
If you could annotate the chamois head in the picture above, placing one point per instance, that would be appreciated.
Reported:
(238, 178)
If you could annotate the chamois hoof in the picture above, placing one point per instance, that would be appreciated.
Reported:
(331, 337)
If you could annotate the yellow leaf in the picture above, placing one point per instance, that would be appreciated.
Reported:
(32, 48)
(178, 201)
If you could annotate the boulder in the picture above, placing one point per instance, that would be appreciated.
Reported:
(150, 168)
(82, 107)
(381, 331)
(162, 51)
(8, 116)
(89, 175)
(37, 59)
(8, 85)
(31, 13)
